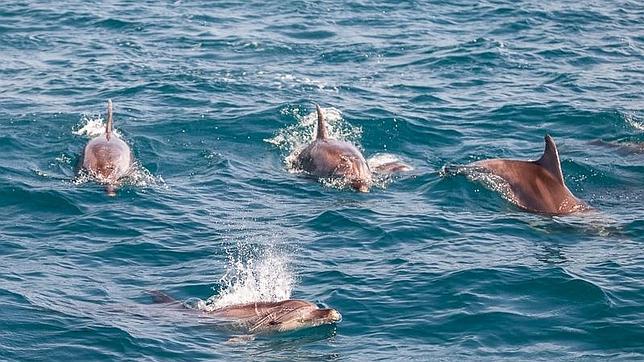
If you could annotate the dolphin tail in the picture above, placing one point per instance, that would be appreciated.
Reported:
(160, 297)
(322, 131)
(108, 126)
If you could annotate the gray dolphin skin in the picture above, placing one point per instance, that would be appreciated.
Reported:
(107, 157)
(327, 157)
(536, 186)
(266, 317)
(282, 316)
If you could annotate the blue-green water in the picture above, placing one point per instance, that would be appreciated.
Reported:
(214, 96)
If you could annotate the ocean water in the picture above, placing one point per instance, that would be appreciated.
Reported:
(215, 97)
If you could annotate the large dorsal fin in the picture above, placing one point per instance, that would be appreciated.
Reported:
(550, 159)
(108, 125)
(322, 132)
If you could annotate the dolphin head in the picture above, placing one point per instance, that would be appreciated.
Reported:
(355, 170)
(361, 185)
(308, 317)
(106, 169)
(327, 315)
(107, 160)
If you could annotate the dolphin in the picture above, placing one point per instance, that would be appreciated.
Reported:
(535, 186)
(328, 157)
(282, 316)
(622, 148)
(107, 157)
(266, 317)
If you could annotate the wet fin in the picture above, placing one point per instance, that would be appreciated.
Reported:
(108, 125)
(322, 131)
(160, 297)
(550, 159)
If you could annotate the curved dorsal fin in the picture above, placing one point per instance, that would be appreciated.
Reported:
(550, 159)
(108, 125)
(322, 132)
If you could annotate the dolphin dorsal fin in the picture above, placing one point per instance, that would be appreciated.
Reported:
(322, 132)
(108, 125)
(160, 297)
(550, 159)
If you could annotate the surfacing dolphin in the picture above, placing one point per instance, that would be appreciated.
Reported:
(267, 317)
(535, 186)
(328, 157)
(107, 157)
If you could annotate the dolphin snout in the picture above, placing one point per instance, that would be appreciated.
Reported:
(360, 185)
(335, 316)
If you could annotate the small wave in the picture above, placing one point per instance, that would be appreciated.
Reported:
(290, 81)
(142, 177)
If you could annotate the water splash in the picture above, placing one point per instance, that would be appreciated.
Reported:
(92, 126)
(294, 138)
(253, 277)
(287, 80)
(379, 160)
(632, 120)
(138, 176)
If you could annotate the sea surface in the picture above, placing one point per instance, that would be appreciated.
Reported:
(216, 97)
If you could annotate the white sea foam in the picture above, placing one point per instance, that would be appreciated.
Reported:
(633, 121)
(138, 176)
(92, 126)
